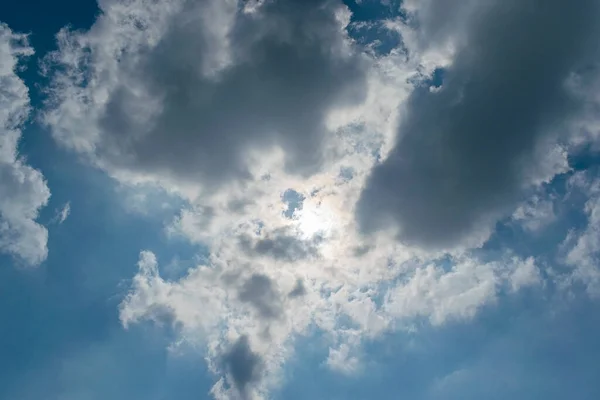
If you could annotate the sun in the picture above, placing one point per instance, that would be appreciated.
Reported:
(314, 219)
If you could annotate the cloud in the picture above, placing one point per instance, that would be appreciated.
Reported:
(258, 291)
(194, 92)
(342, 360)
(465, 153)
(243, 299)
(456, 291)
(583, 248)
(298, 290)
(282, 245)
(535, 214)
(272, 108)
(243, 365)
(62, 214)
(24, 190)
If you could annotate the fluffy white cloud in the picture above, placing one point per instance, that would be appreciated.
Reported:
(23, 189)
(237, 307)
(458, 291)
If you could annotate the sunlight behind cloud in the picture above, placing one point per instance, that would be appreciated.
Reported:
(315, 220)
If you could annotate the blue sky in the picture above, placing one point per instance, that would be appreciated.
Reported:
(299, 200)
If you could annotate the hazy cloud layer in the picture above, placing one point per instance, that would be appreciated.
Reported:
(23, 190)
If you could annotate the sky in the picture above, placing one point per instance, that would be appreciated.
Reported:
(299, 199)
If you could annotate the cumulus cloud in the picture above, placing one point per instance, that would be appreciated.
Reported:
(194, 91)
(272, 107)
(24, 190)
(458, 293)
(246, 316)
(466, 152)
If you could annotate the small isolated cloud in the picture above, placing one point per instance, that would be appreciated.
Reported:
(62, 214)
(23, 189)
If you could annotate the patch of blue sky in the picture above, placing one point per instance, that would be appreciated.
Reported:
(293, 200)
(366, 24)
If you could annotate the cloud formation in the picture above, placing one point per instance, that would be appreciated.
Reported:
(466, 152)
(305, 142)
(194, 91)
(24, 190)
(242, 365)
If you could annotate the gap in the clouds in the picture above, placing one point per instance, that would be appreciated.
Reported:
(544, 243)
(437, 78)
(585, 158)
(366, 24)
(346, 174)
(373, 10)
(293, 200)
(43, 19)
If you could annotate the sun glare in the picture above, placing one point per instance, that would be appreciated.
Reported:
(314, 220)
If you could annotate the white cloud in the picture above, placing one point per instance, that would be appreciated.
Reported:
(342, 360)
(62, 214)
(583, 249)
(24, 190)
(457, 291)
(535, 214)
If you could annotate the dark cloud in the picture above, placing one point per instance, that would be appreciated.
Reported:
(243, 365)
(288, 70)
(299, 290)
(258, 291)
(282, 245)
(463, 152)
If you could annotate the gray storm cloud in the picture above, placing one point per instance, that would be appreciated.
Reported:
(463, 152)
